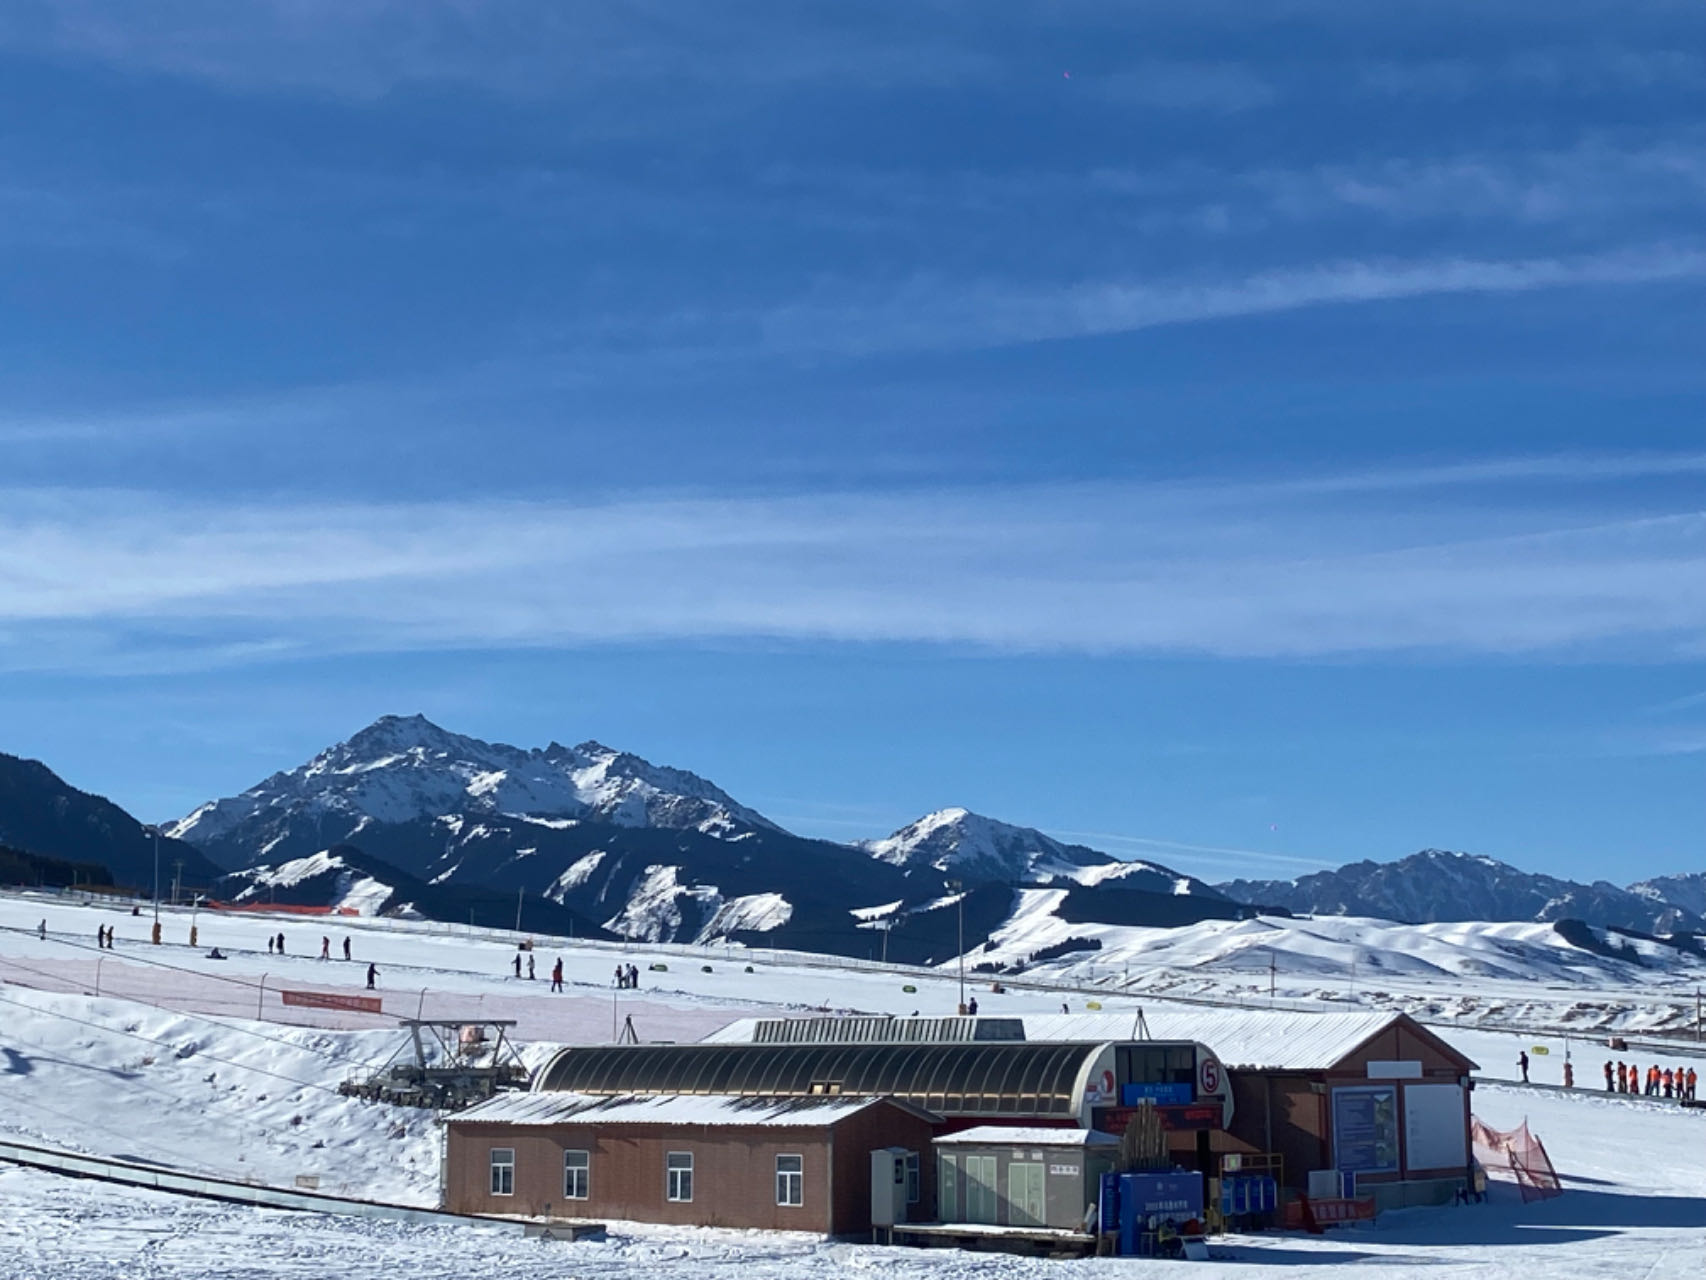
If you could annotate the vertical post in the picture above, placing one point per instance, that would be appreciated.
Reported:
(261, 998)
(98, 965)
(958, 887)
(1273, 965)
(156, 831)
(518, 892)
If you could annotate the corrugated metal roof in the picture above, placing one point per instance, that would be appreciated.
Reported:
(1017, 1080)
(885, 1029)
(1016, 1135)
(1252, 1038)
(546, 1109)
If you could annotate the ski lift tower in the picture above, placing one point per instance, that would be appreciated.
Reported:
(457, 1062)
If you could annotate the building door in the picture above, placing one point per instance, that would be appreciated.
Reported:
(948, 1193)
(1025, 1194)
(982, 1201)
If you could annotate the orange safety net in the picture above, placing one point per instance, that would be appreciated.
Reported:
(1518, 1153)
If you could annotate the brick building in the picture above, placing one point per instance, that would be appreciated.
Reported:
(790, 1164)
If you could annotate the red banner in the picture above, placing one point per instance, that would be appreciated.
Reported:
(323, 1000)
(1328, 1212)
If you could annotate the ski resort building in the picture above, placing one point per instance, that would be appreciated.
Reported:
(783, 1164)
(799, 1123)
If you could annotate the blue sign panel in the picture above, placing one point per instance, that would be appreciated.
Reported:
(1170, 1194)
(1108, 1203)
(1162, 1095)
(1365, 1129)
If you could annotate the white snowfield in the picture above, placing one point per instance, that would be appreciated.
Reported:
(1476, 972)
(234, 1097)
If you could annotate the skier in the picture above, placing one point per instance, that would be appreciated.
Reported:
(281, 942)
(518, 963)
(557, 975)
(270, 941)
(325, 947)
(346, 946)
(41, 930)
(530, 966)
(1522, 1061)
(633, 977)
(372, 976)
(621, 977)
(1608, 1076)
(1668, 1080)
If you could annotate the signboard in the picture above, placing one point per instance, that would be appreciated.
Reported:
(1171, 1095)
(1365, 1129)
(1167, 1194)
(1201, 1115)
(1330, 1211)
(321, 1000)
(1208, 1076)
(1100, 1088)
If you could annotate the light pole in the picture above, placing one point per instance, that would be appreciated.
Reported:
(155, 832)
(958, 887)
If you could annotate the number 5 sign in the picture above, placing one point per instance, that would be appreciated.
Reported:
(1208, 1076)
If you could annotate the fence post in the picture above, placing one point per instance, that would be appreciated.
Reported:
(98, 965)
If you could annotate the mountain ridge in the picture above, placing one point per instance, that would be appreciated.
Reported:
(1437, 886)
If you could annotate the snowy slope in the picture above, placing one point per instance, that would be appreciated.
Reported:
(401, 769)
(114, 1077)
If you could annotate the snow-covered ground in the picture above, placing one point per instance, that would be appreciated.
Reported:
(201, 1085)
(1633, 1211)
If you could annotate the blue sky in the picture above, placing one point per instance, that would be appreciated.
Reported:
(1253, 442)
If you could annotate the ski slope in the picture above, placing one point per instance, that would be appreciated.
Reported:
(169, 1064)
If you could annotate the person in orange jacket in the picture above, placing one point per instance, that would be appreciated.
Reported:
(1622, 1077)
(1691, 1080)
(1668, 1079)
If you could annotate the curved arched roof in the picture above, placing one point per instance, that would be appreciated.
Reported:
(1024, 1079)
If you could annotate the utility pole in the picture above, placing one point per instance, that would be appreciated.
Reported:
(519, 891)
(155, 831)
(1698, 1029)
(177, 876)
(960, 919)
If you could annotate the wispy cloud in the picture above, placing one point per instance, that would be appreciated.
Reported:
(1575, 71)
(93, 577)
(931, 314)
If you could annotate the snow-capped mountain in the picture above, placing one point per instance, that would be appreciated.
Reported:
(969, 846)
(1436, 886)
(1686, 892)
(402, 769)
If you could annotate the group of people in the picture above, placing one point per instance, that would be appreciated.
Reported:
(627, 977)
(104, 937)
(556, 969)
(325, 946)
(1658, 1082)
